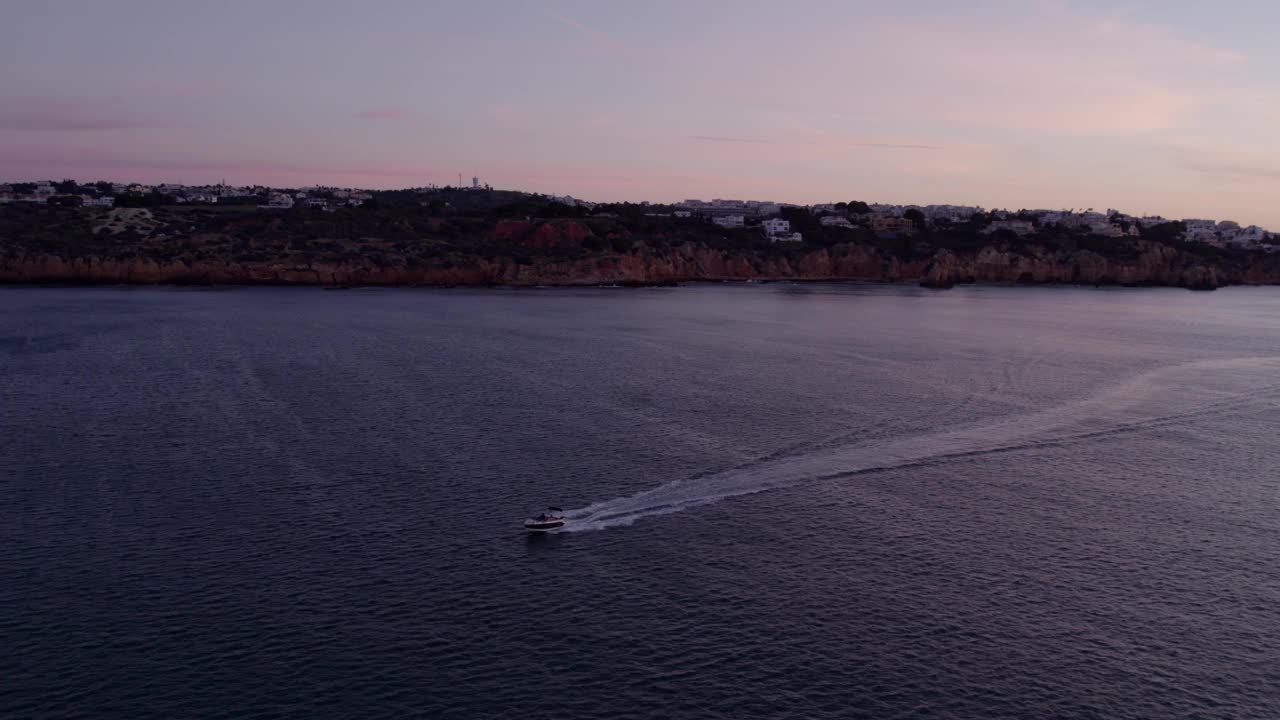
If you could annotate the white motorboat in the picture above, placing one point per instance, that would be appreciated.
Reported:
(549, 521)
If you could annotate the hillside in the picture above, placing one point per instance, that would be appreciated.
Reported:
(507, 238)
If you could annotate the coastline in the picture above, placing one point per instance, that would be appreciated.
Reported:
(1148, 265)
(408, 244)
(692, 283)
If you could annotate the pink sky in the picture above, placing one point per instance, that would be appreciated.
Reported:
(1005, 104)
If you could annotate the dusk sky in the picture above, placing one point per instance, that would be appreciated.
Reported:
(1151, 107)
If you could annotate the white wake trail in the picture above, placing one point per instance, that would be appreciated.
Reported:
(1160, 398)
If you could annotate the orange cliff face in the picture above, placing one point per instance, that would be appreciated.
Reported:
(541, 233)
(1152, 264)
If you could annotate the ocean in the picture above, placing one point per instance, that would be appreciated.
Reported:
(785, 501)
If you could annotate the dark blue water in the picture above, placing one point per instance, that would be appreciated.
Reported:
(792, 501)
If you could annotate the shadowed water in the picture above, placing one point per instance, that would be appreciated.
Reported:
(791, 501)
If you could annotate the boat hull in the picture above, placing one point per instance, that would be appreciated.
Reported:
(534, 526)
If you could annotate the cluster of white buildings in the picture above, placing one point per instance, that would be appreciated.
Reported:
(734, 214)
(882, 219)
(1112, 223)
(1017, 227)
(1116, 224)
(932, 213)
(891, 220)
(776, 229)
(44, 192)
(189, 193)
(1224, 234)
(571, 201)
(717, 207)
(326, 198)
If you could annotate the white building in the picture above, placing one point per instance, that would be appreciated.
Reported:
(683, 213)
(1105, 229)
(1020, 227)
(278, 201)
(835, 221)
(104, 201)
(776, 226)
(730, 221)
(1201, 230)
(1232, 234)
(788, 237)
(1253, 233)
(953, 213)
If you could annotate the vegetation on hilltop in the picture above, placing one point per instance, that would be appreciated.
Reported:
(446, 227)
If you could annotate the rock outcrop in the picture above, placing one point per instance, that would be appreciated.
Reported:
(541, 233)
(1153, 264)
(1150, 264)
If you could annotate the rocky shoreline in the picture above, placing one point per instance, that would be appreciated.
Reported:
(1151, 264)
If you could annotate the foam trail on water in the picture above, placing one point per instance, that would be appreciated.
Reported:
(1160, 398)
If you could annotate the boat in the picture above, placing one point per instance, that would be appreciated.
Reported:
(549, 521)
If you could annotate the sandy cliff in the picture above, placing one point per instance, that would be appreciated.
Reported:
(570, 252)
(1154, 264)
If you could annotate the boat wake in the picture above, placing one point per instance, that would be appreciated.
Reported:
(1162, 398)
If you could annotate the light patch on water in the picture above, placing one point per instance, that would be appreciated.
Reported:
(1156, 399)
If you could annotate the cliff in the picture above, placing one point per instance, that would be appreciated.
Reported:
(641, 265)
(412, 244)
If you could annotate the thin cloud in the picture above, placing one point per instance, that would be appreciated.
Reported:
(599, 38)
(1242, 171)
(722, 139)
(894, 146)
(1222, 163)
(581, 27)
(184, 89)
(61, 158)
(867, 145)
(386, 113)
(45, 114)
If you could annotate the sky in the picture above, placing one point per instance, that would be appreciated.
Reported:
(1152, 107)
